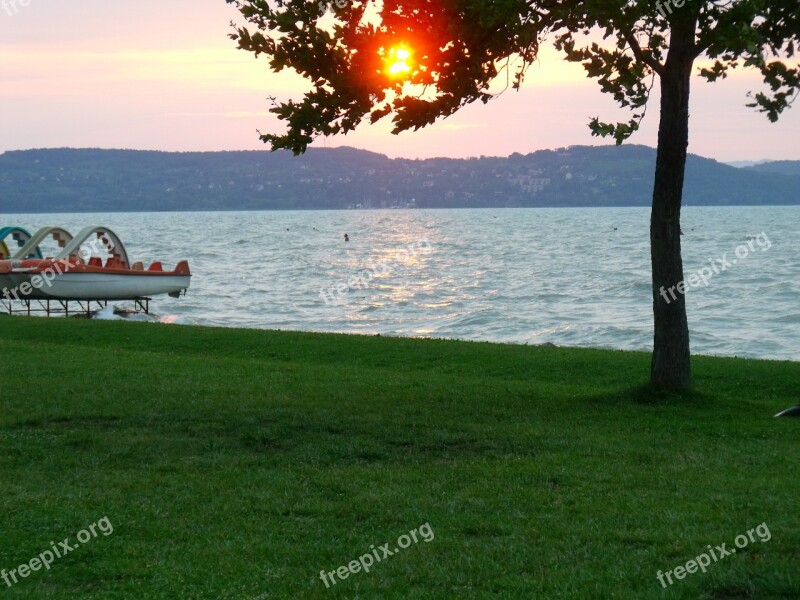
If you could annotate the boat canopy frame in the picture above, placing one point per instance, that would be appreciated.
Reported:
(21, 236)
(110, 240)
(31, 248)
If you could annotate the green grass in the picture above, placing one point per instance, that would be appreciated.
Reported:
(237, 464)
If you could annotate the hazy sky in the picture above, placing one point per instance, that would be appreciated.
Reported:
(150, 74)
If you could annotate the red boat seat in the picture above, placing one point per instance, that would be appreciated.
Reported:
(156, 266)
(137, 266)
(114, 262)
(182, 268)
(95, 261)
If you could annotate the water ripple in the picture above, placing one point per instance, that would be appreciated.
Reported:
(563, 276)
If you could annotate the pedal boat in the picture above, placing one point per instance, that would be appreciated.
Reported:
(70, 276)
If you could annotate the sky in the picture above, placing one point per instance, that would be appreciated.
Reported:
(156, 75)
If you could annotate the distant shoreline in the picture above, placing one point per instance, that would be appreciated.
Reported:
(76, 181)
(254, 210)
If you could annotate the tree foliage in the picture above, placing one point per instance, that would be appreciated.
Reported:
(459, 47)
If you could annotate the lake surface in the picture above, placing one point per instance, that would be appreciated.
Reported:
(572, 277)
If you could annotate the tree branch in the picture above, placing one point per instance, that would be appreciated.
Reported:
(641, 55)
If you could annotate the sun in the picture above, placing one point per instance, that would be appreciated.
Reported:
(399, 61)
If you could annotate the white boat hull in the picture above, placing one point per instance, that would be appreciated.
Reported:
(97, 286)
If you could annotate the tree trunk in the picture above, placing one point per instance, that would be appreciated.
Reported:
(670, 368)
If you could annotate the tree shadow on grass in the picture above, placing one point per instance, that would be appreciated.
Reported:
(643, 394)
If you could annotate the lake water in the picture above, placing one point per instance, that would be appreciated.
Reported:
(572, 277)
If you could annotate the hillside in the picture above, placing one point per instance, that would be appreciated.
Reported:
(70, 180)
(780, 167)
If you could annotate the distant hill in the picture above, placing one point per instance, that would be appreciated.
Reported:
(780, 167)
(746, 163)
(69, 180)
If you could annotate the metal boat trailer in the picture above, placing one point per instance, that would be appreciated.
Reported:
(51, 307)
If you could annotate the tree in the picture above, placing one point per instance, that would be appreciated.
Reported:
(421, 60)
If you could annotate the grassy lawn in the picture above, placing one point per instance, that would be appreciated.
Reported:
(238, 464)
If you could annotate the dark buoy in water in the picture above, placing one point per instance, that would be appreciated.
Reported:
(790, 412)
(346, 238)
